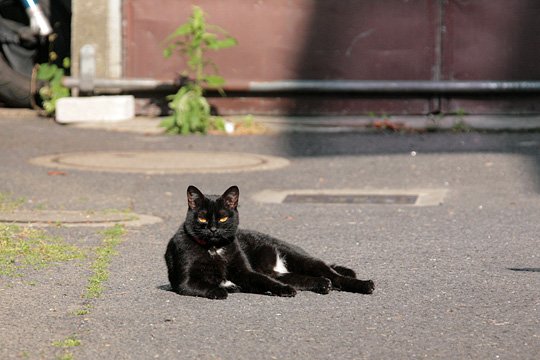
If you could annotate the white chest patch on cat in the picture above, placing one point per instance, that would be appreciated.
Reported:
(280, 267)
(213, 251)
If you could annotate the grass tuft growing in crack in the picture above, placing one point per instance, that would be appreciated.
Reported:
(9, 204)
(70, 341)
(22, 247)
(67, 343)
(104, 253)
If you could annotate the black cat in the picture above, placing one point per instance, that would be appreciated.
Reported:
(209, 256)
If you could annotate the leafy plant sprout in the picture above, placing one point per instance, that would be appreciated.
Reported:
(51, 75)
(192, 40)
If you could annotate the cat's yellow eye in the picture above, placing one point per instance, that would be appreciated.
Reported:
(223, 219)
(202, 220)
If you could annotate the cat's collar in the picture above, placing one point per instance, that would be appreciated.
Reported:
(199, 241)
(213, 251)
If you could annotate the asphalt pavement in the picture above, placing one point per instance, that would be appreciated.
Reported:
(458, 278)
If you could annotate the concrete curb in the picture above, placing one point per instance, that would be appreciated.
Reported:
(71, 218)
(150, 125)
(402, 123)
(277, 124)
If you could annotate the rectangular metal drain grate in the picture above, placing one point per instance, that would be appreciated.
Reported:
(351, 199)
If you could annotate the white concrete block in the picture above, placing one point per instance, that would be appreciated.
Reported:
(95, 109)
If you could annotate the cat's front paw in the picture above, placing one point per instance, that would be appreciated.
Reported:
(217, 294)
(368, 286)
(283, 290)
(322, 286)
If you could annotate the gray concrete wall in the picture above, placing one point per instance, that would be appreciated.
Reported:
(98, 22)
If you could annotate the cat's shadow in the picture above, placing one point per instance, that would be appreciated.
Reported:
(166, 287)
(526, 269)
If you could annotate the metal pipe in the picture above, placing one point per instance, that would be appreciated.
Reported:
(123, 84)
(331, 86)
(399, 86)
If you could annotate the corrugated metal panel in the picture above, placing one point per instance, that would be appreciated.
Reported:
(350, 40)
(297, 39)
(492, 40)
(294, 39)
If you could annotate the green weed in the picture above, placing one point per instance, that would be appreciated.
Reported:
(70, 341)
(66, 356)
(53, 90)
(50, 75)
(100, 267)
(8, 203)
(461, 126)
(67, 343)
(461, 113)
(25, 247)
(191, 111)
(248, 126)
(84, 311)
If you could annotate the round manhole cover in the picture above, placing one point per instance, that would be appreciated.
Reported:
(162, 162)
(76, 218)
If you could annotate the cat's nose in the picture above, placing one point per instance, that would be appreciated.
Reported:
(213, 229)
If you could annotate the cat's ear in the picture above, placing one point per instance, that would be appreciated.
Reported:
(194, 197)
(230, 197)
